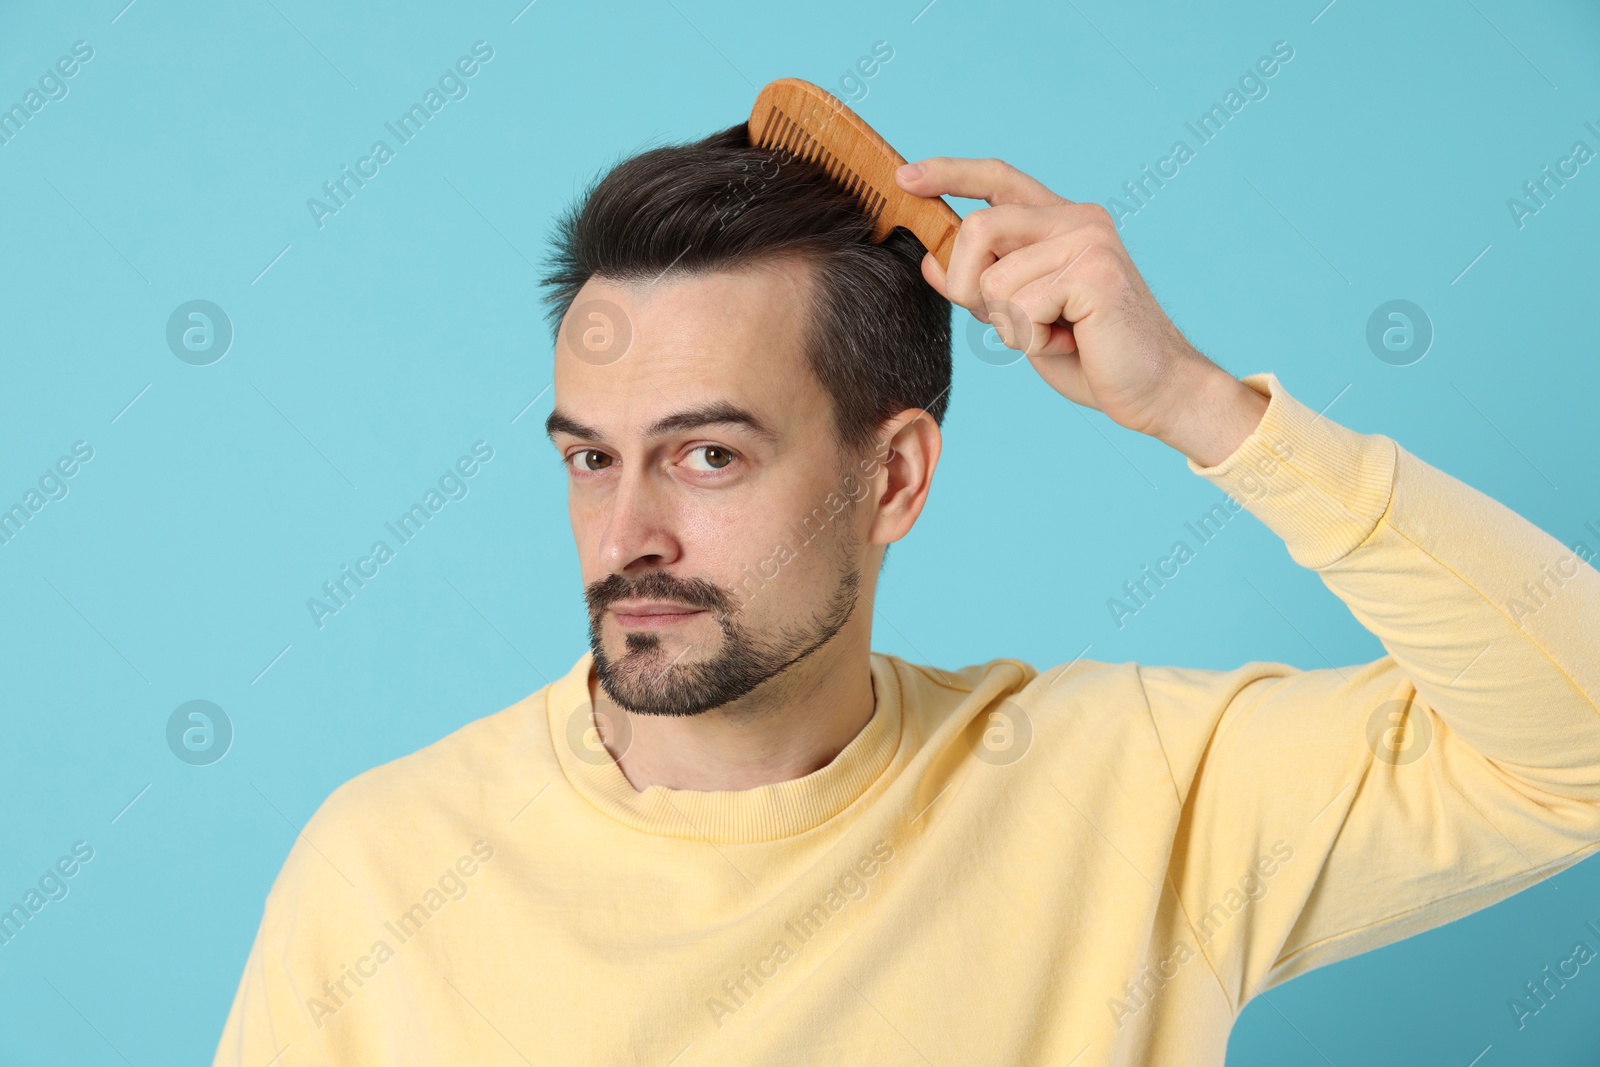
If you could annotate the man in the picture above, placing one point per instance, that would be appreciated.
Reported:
(733, 834)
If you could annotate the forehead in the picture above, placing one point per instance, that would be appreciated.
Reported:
(629, 352)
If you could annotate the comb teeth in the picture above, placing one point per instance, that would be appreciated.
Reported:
(800, 120)
(784, 133)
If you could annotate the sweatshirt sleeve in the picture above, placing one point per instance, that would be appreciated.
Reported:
(268, 1024)
(250, 1037)
(1324, 813)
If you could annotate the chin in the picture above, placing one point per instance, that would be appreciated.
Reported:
(658, 700)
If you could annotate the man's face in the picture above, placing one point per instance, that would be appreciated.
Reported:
(713, 511)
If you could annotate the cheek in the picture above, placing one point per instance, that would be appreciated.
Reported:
(582, 518)
(714, 527)
(795, 545)
(727, 545)
(589, 518)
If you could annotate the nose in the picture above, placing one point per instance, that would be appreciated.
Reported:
(640, 525)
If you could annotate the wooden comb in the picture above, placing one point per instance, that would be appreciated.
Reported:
(811, 123)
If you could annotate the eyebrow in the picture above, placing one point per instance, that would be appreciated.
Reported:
(720, 412)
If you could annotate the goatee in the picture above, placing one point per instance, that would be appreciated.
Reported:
(645, 682)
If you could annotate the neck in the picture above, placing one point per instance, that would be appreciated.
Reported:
(788, 727)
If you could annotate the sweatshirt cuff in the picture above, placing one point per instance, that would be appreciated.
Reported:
(1320, 486)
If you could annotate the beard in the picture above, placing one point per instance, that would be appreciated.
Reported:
(645, 681)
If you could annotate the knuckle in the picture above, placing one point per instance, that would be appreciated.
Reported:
(980, 222)
(1097, 215)
(1104, 235)
(997, 165)
(1102, 265)
(992, 284)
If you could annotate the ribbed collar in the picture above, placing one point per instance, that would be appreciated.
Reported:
(764, 813)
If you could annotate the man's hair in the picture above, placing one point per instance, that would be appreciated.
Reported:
(878, 335)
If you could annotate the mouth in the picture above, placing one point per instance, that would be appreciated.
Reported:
(654, 616)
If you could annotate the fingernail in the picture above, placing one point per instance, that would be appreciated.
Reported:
(911, 171)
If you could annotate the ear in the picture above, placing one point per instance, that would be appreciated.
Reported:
(901, 472)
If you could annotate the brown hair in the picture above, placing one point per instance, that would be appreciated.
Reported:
(878, 336)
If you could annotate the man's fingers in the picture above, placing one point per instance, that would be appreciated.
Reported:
(993, 180)
(1019, 328)
(1002, 248)
(934, 275)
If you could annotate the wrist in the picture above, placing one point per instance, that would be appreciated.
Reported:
(1216, 413)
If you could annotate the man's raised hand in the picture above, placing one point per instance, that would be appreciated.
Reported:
(1084, 316)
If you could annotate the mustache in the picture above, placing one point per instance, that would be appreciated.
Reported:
(656, 585)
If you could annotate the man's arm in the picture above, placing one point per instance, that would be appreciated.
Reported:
(1409, 791)
(271, 1021)
(260, 1019)
(1326, 812)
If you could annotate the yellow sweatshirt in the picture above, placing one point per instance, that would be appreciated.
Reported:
(1097, 864)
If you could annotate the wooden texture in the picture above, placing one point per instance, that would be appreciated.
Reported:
(813, 124)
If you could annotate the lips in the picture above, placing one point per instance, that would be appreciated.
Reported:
(652, 607)
(646, 615)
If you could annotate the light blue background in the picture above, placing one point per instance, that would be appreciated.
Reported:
(376, 350)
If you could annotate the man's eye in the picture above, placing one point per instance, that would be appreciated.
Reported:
(715, 457)
(589, 459)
